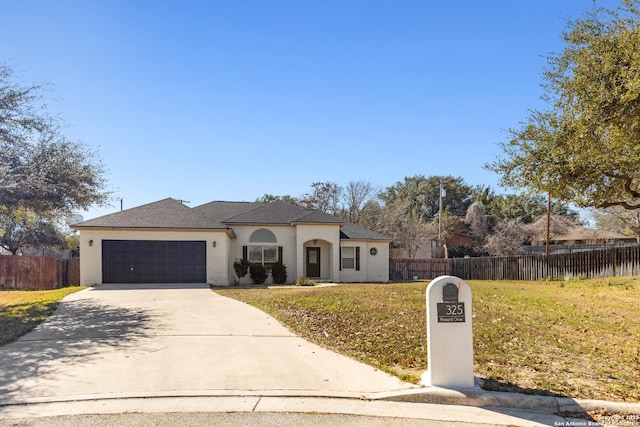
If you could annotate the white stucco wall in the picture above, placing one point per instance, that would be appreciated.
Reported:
(91, 256)
(285, 237)
(377, 265)
(373, 268)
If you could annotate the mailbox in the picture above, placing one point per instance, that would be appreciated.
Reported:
(450, 310)
(449, 334)
(449, 292)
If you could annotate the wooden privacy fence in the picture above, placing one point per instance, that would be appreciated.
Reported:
(410, 269)
(37, 273)
(614, 261)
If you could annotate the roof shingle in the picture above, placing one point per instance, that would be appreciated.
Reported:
(356, 232)
(279, 212)
(166, 213)
(219, 211)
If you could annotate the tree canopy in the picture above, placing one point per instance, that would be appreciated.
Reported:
(40, 169)
(42, 175)
(22, 228)
(420, 195)
(619, 220)
(585, 146)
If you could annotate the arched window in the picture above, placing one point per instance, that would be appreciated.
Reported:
(263, 247)
(262, 235)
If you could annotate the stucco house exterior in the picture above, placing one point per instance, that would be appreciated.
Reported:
(168, 242)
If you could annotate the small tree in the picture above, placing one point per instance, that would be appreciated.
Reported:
(476, 220)
(619, 220)
(408, 231)
(268, 198)
(241, 267)
(356, 195)
(325, 197)
(21, 228)
(507, 238)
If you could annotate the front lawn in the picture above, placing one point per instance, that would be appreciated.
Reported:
(573, 338)
(21, 311)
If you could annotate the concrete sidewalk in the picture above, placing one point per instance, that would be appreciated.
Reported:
(161, 348)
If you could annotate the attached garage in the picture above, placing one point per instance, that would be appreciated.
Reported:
(162, 242)
(154, 261)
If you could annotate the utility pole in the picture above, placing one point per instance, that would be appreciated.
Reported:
(440, 216)
(546, 250)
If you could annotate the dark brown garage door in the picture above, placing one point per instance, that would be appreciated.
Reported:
(151, 261)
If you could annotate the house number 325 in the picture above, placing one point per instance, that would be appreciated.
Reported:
(455, 309)
(450, 312)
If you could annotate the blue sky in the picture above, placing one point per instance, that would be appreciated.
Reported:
(229, 100)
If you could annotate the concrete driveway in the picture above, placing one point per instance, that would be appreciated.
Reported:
(180, 340)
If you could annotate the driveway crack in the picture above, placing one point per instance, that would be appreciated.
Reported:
(256, 405)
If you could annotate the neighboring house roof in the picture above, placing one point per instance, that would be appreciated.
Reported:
(219, 210)
(356, 232)
(578, 233)
(279, 212)
(167, 213)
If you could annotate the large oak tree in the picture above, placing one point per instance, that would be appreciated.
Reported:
(585, 147)
(41, 172)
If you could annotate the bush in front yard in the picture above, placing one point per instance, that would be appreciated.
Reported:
(279, 273)
(241, 266)
(305, 281)
(258, 273)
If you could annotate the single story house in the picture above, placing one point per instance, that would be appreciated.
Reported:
(168, 242)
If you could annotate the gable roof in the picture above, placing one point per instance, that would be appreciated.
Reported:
(279, 212)
(167, 213)
(219, 211)
(171, 214)
(357, 232)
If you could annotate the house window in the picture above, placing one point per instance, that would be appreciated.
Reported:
(262, 248)
(263, 254)
(262, 235)
(348, 258)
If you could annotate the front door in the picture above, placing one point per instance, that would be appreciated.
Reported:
(313, 262)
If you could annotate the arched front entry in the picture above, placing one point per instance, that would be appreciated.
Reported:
(318, 255)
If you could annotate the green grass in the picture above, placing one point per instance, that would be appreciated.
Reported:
(21, 311)
(574, 338)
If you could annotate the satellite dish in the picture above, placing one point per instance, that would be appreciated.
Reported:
(75, 219)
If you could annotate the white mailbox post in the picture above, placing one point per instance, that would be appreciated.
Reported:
(449, 334)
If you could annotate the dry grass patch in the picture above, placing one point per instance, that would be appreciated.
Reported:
(575, 338)
(21, 311)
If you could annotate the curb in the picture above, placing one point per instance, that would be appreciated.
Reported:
(481, 398)
(429, 403)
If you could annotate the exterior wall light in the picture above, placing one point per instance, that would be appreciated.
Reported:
(90, 242)
(214, 243)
